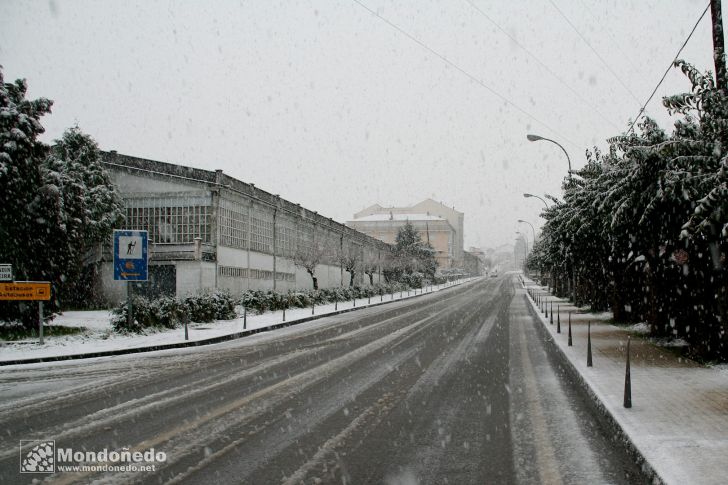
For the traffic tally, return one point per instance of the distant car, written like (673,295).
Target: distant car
(494,274)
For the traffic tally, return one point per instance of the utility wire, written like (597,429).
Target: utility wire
(595,52)
(542,64)
(615,42)
(463,71)
(644,106)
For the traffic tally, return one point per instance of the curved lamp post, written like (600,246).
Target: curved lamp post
(531,137)
(536,196)
(534,239)
(525,248)
(534,230)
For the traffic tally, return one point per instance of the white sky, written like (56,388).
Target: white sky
(331,107)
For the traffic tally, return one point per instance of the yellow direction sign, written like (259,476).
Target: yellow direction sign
(25,290)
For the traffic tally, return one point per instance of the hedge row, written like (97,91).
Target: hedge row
(261,301)
(168,312)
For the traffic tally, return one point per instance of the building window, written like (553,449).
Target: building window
(233,224)
(261,232)
(286,238)
(170,220)
(233,272)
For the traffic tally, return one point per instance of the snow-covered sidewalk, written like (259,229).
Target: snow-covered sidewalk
(98,335)
(679,416)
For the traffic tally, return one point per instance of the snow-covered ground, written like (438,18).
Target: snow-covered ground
(98,335)
(678,418)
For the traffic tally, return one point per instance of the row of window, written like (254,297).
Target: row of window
(181,219)
(169,220)
(256,274)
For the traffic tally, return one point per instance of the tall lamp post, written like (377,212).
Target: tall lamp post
(536,196)
(532,229)
(534,240)
(531,137)
(525,248)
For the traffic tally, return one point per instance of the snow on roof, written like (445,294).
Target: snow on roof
(398,217)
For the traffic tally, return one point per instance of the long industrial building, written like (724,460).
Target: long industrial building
(208,230)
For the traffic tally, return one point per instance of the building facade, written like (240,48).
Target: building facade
(208,230)
(449,239)
(433,229)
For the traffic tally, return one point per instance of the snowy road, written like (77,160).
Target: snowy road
(453,387)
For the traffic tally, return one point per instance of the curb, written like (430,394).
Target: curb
(649,473)
(209,341)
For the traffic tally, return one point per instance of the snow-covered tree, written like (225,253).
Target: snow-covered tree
(89,209)
(308,258)
(57,203)
(26,218)
(643,226)
(410,255)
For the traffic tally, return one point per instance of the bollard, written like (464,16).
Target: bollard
(627,382)
(354,300)
(381,295)
(336,305)
(284,314)
(588,345)
(313,307)
(245,317)
(558,318)
(570,341)
(552,313)
(40,322)
(187,335)
(547,309)
(369,299)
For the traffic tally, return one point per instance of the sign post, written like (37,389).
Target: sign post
(131,261)
(6,272)
(28,291)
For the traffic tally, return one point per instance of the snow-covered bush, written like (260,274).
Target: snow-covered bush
(168,312)
(208,307)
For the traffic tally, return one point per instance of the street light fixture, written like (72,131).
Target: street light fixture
(525,238)
(534,230)
(536,196)
(525,248)
(531,137)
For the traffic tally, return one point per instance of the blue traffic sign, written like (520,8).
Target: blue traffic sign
(131,255)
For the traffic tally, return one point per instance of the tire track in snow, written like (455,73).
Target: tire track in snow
(191,433)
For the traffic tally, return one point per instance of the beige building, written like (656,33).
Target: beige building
(437,223)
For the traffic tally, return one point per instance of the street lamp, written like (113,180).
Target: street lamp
(525,248)
(534,239)
(534,230)
(531,137)
(539,198)
(537,138)
(525,238)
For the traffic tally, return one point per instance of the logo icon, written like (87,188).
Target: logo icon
(40,458)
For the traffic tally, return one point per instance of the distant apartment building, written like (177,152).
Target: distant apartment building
(437,223)
(208,230)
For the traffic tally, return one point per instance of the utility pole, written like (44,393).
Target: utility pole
(718,44)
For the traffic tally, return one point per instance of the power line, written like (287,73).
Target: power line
(615,42)
(644,106)
(542,64)
(463,71)
(595,52)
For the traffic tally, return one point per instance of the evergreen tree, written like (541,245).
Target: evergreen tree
(27,216)
(57,204)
